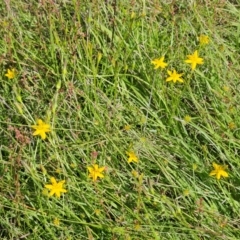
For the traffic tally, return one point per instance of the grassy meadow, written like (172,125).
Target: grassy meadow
(119,120)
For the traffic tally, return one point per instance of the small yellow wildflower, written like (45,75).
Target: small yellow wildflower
(221,48)
(135,173)
(97,212)
(132,157)
(186,192)
(223,223)
(226,88)
(219,170)
(41,129)
(137,227)
(127,127)
(159,63)
(58,170)
(143,139)
(133,15)
(73,165)
(174,76)
(232,109)
(96,122)
(232,125)
(143,120)
(11,73)
(56,187)
(95,172)
(166,162)
(187,119)
(203,39)
(194,59)
(56,221)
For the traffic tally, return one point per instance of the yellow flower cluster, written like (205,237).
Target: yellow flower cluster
(41,128)
(192,59)
(95,172)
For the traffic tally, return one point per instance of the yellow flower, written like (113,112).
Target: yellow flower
(133,15)
(232,125)
(219,170)
(56,221)
(194,59)
(186,192)
(132,157)
(135,173)
(203,39)
(56,188)
(97,212)
(159,62)
(58,170)
(11,73)
(174,76)
(73,165)
(143,120)
(137,227)
(41,128)
(226,88)
(127,127)
(166,162)
(232,109)
(142,139)
(187,119)
(95,172)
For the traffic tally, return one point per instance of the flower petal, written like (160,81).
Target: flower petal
(48,186)
(53,180)
(215,165)
(212,173)
(224,174)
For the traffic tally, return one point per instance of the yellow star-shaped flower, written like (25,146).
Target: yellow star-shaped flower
(194,59)
(56,187)
(219,170)
(95,172)
(159,63)
(132,157)
(41,128)
(11,73)
(174,76)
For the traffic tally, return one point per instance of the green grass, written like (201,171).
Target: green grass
(85,67)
